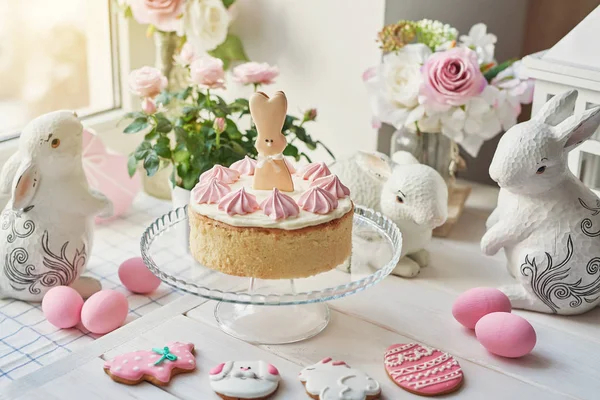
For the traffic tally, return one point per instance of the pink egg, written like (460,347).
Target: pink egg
(506,334)
(104,312)
(136,277)
(473,304)
(62,306)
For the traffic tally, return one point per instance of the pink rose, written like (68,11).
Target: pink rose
(147,82)
(255,73)
(451,78)
(148,106)
(219,125)
(208,72)
(165,15)
(186,56)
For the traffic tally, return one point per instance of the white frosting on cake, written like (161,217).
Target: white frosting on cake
(259,219)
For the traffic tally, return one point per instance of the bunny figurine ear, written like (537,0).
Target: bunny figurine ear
(578,128)
(375,165)
(558,108)
(27,181)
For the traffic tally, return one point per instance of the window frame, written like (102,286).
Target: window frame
(131,49)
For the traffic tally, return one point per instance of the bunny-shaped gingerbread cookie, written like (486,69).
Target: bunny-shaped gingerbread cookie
(546,219)
(269,115)
(46,227)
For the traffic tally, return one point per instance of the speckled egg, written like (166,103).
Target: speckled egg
(104,312)
(61,306)
(506,334)
(473,304)
(136,277)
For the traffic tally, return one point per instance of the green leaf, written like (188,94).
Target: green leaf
(163,125)
(163,147)
(142,150)
(228,3)
(151,163)
(153,134)
(185,93)
(190,179)
(137,125)
(494,71)
(132,164)
(163,98)
(291,150)
(230,50)
(289,121)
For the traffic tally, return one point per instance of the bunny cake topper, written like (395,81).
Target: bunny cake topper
(269,115)
(546,219)
(46,226)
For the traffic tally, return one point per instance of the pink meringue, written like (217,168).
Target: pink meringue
(224,174)
(210,191)
(279,206)
(317,200)
(333,185)
(289,165)
(245,166)
(313,171)
(239,202)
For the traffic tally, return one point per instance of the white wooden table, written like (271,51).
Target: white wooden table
(564,365)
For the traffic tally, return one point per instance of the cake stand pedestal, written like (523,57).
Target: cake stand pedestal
(265,311)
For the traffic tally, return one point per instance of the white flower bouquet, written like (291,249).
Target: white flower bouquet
(431,80)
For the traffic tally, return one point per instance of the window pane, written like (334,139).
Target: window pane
(54,55)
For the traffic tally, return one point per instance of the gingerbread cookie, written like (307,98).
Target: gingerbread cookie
(237,380)
(336,380)
(156,366)
(422,370)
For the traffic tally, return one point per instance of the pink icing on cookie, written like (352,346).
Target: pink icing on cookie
(279,206)
(317,200)
(313,171)
(239,202)
(422,369)
(224,174)
(210,192)
(326,360)
(245,166)
(289,165)
(338,363)
(333,185)
(272,370)
(133,366)
(217,370)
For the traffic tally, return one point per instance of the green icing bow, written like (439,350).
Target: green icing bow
(165,353)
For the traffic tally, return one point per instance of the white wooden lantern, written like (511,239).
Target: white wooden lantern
(573,63)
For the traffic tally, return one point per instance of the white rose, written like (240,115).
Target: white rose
(401,75)
(206,23)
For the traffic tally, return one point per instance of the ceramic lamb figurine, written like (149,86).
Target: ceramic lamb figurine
(547,220)
(46,227)
(412,195)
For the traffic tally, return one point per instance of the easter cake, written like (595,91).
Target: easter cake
(262,218)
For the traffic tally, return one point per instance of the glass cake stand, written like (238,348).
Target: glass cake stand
(273,311)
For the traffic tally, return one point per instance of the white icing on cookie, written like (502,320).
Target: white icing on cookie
(335,380)
(244,379)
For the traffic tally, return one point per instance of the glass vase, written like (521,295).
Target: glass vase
(434,149)
(166,45)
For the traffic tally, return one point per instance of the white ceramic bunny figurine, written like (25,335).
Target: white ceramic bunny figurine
(546,219)
(412,195)
(46,227)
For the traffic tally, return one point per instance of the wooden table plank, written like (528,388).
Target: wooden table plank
(362,345)
(212,348)
(558,362)
(89,382)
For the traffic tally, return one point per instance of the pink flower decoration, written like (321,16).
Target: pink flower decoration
(318,201)
(186,56)
(279,206)
(208,72)
(147,82)
(245,166)
(165,15)
(239,202)
(255,73)
(332,185)
(210,192)
(106,172)
(451,78)
(223,174)
(313,171)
